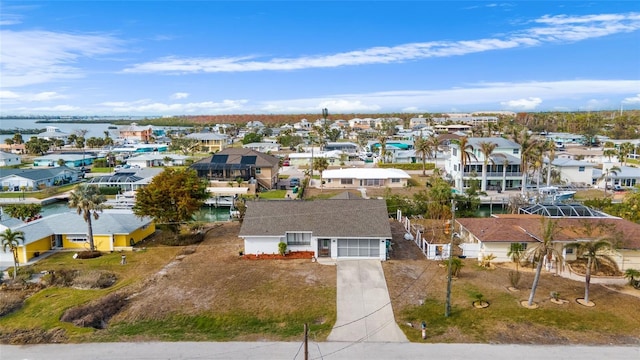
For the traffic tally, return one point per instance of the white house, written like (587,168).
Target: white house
(8,159)
(573,171)
(336,229)
(503,167)
(154,159)
(34,179)
(627,176)
(364,177)
(53,133)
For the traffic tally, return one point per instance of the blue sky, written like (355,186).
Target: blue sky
(133,58)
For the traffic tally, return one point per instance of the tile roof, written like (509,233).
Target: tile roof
(525,228)
(325,218)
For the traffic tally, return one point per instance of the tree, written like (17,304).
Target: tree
(10,241)
(632,275)
(466,153)
(382,144)
(592,251)
(423,148)
(172,197)
(527,144)
(486,148)
(608,175)
(184,144)
(17,138)
(515,253)
(251,138)
(544,251)
(550,147)
(23,211)
(320,164)
(334,134)
(89,202)
(37,146)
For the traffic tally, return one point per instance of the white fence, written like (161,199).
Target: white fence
(415,234)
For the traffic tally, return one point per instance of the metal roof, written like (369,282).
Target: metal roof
(564,210)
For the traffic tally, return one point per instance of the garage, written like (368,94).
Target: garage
(368,248)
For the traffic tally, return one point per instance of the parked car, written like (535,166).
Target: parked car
(285,162)
(294,182)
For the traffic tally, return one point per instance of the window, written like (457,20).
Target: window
(299,238)
(373,182)
(569,251)
(516,151)
(77,238)
(523,246)
(395,180)
(581,168)
(258,170)
(346,181)
(455,152)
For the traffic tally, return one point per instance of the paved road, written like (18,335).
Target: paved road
(324,350)
(363,304)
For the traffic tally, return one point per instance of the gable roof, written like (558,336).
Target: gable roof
(325,218)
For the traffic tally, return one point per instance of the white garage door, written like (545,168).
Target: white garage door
(369,248)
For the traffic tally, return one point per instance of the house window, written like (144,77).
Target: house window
(523,246)
(373,182)
(395,181)
(299,238)
(258,170)
(346,181)
(581,168)
(516,151)
(77,238)
(569,251)
(455,152)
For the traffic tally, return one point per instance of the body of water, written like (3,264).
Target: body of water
(93,129)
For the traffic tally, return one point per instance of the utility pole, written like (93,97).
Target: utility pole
(447,309)
(306,342)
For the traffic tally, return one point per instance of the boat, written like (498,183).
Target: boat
(551,194)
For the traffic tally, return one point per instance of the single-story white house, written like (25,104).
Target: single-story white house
(627,176)
(573,171)
(34,179)
(154,159)
(305,158)
(263,146)
(336,229)
(364,177)
(8,159)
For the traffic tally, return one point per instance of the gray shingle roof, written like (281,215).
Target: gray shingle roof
(325,218)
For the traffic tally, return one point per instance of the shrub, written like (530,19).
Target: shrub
(10,301)
(282,248)
(62,277)
(88,254)
(109,190)
(24,273)
(514,278)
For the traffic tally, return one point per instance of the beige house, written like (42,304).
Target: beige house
(483,236)
(136,133)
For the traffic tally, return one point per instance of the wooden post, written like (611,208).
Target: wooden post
(306,342)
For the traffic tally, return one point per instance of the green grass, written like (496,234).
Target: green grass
(273,194)
(505,309)
(49,192)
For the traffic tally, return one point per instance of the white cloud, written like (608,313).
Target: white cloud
(179,95)
(522,104)
(146,106)
(6,94)
(632,100)
(17,97)
(35,57)
(550,29)
(57,108)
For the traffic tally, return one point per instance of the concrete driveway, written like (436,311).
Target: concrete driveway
(364,306)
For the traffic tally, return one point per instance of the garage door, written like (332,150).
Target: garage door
(359,248)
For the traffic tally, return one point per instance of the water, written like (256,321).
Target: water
(93,129)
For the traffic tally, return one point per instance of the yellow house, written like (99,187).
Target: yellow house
(210,142)
(114,230)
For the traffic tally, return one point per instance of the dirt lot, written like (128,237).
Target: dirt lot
(412,280)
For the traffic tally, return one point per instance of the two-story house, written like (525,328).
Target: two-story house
(210,142)
(503,168)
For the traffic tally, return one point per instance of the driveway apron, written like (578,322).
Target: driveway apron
(364,306)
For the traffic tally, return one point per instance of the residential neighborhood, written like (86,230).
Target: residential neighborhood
(329,191)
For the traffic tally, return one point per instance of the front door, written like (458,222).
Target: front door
(324,247)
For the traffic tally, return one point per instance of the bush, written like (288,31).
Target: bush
(62,277)
(10,301)
(411,166)
(24,273)
(97,313)
(109,190)
(88,254)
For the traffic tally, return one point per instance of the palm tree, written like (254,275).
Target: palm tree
(544,251)
(550,147)
(606,175)
(527,143)
(592,251)
(609,153)
(632,275)
(423,148)
(515,253)
(382,140)
(10,241)
(89,202)
(466,153)
(320,164)
(486,148)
